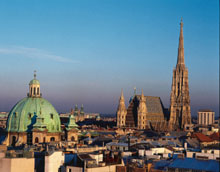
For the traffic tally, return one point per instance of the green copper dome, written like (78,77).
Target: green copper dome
(33,112)
(34,81)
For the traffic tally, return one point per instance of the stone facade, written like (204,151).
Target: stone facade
(121,111)
(180,113)
(143,112)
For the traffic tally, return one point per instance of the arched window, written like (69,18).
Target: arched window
(36,140)
(34,91)
(13,140)
(52,139)
(72,138)
(38,90)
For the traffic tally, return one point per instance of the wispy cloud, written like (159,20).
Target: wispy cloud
(35,53)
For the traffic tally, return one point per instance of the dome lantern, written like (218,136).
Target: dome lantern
(34,87)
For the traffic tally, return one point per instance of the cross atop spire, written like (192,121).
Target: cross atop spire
(134,90)
(35,74)
(180,59)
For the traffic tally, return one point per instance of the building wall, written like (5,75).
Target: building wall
(206,118)
(16,164)
(54,161)
(71,134)
(111,168)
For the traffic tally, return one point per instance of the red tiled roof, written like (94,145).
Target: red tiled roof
(215,136)
(201,137)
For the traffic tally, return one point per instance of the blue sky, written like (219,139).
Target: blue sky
(85,51)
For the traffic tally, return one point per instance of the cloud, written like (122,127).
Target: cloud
(35,53)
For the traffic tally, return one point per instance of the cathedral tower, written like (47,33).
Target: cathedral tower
(121,111)
(180,113)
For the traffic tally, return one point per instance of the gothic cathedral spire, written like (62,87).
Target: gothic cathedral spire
(180,113)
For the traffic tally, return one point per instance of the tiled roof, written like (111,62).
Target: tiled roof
(195,164)
(154,104)
(201,137)
(215,136)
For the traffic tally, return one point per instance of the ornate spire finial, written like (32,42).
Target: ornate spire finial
(35,74)
(181,22)
(180,59)
(142,94)
(134,90)
(122,95)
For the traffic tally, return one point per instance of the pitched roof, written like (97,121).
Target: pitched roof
(195,164)
(201,137)
(215,136)
(154,104)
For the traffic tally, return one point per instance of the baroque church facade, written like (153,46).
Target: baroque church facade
(34,120)
(148,112)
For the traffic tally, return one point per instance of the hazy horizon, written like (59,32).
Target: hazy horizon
(85,52)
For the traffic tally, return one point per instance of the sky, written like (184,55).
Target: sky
(86,51)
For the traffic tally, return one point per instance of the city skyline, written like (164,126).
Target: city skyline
(85,53)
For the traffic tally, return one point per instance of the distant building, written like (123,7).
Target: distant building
(80,115)
(206,117)
(3,119)
(143,112)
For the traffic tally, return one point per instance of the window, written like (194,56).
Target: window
(70,170)
(36,140)
(34,91)
(52,139)
(51,116)
(72,138)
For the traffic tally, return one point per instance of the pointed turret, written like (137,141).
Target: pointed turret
(122,96)
(121,101)
(76,111)
(180,59)
(142,110)
(142,96)
(82,110)
(121,112)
